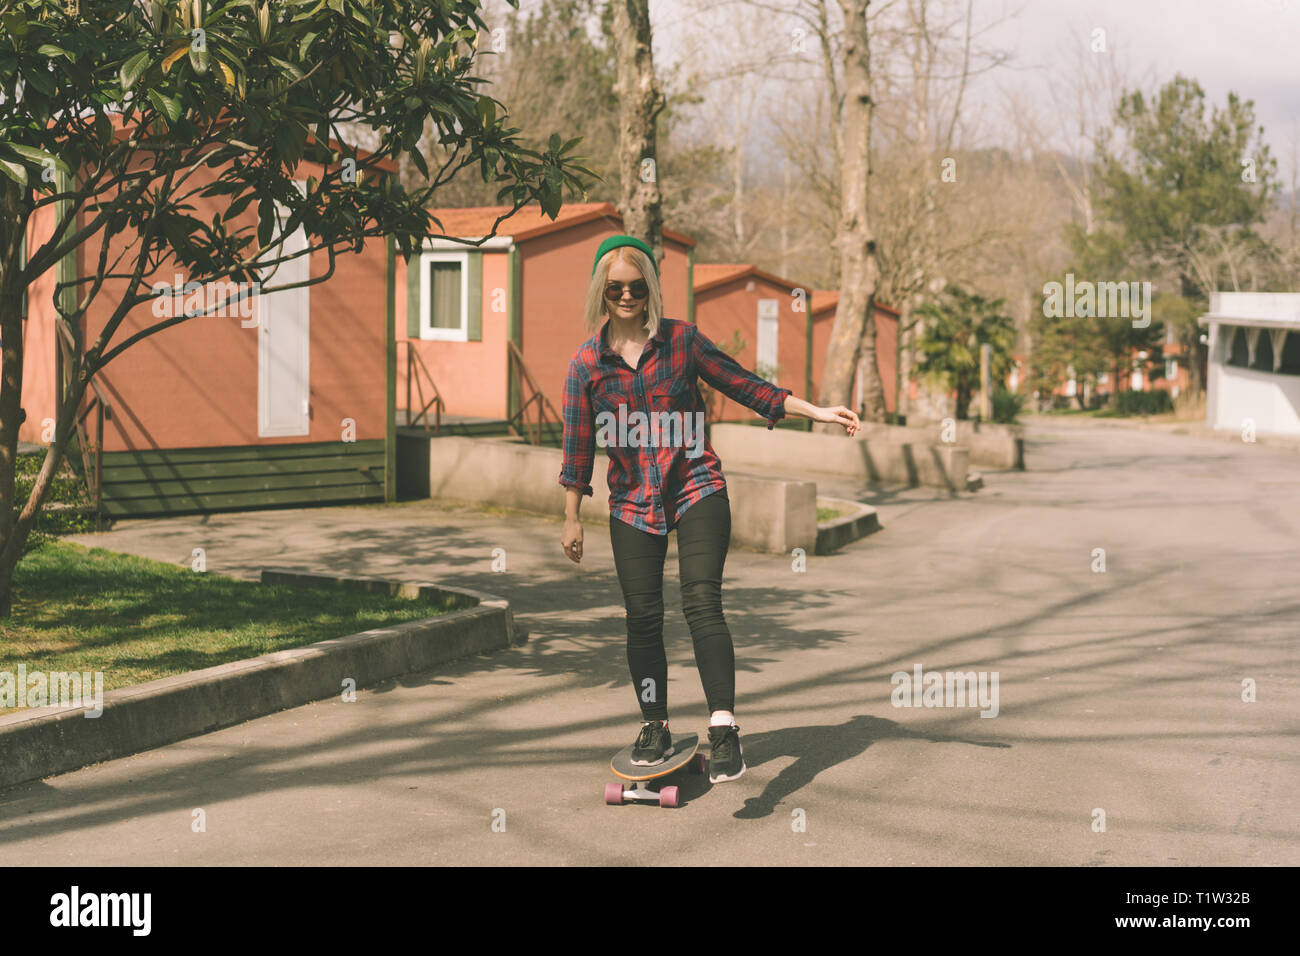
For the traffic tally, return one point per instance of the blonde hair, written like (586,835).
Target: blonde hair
(654,304)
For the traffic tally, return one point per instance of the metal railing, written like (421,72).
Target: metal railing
(414,362)
(518,372)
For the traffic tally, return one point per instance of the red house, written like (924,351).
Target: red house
(767,316)
(824,303)
(278,400)
(468,310)
(783,328)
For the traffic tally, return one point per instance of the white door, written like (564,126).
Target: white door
(283,349)
(767,326)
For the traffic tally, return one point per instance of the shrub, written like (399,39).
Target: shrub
(1143,403)
(1007,405)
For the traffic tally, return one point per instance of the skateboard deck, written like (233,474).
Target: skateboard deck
(685,754)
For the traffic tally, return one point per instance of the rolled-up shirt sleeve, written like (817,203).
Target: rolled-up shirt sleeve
(740,385)
(579,433)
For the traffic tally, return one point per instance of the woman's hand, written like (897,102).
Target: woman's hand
(832,413)
(839,414)
(571,539)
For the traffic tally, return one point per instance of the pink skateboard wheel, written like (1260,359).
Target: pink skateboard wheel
(668,797)
(614,794)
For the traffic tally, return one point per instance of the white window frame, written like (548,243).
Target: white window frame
(427,331)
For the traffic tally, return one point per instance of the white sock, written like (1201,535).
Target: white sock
(722,718)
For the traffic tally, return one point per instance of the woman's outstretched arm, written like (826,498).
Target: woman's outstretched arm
(833,413)
(771,401)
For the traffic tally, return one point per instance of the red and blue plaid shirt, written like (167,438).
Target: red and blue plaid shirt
(654,476)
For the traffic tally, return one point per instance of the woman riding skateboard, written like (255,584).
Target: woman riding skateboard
(663,475)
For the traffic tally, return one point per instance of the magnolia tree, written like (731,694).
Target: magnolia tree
(116,116)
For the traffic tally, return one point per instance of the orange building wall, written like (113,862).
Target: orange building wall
(556,273)
(887,355)
(471,376)
(728,308)
(886,352)
(39,343)
(195,384)
(555,270)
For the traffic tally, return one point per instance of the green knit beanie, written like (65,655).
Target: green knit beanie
(613,242)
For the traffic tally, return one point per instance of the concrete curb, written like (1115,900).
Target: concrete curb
(45,741)
(860,521)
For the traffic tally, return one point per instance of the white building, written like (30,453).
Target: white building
(1254,362)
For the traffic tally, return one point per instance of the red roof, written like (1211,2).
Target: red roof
(824,300)
(710,275)
(471,222)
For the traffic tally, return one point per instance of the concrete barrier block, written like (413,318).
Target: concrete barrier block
(767,513)
(773,515)
(879,458)
(991,444)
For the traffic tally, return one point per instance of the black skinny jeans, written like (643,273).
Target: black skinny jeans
(703,534)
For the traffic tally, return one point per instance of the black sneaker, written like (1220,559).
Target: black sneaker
(726,756)
(653,745)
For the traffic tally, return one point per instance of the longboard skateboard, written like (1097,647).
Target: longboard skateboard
(684,755)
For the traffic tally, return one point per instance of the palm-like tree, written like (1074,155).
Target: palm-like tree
(956,325)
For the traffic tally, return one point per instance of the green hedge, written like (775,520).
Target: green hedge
(1143,403)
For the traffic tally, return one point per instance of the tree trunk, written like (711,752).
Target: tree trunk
(1192,357)
(16,527)
(963,401)
(11,383)
(639,104)
(14,533)
(853,335)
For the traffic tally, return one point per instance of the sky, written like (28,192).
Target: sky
(1251,47)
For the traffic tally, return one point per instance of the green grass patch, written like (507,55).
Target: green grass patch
(137,620)
(827,514)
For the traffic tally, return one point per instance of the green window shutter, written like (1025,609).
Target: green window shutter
(413,268)
(474,306)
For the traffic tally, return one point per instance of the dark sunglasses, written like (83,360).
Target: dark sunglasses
(638,290)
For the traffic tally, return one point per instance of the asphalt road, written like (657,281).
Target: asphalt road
(1118,691)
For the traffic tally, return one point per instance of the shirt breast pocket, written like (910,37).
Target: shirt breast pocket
(670,395)
(608,396)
